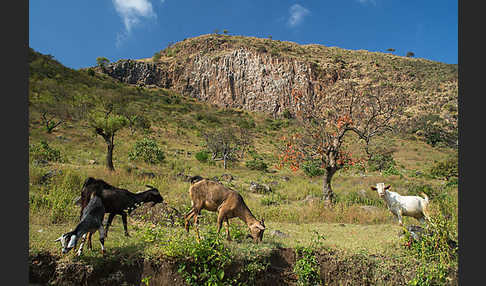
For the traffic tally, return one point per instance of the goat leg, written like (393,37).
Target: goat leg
(108,223)
(80,250)
(102,239)
(124,220)
(228,237)
(187,217)
(88,237)
(196,227)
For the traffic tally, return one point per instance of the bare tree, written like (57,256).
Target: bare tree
(328,117)
(223,144)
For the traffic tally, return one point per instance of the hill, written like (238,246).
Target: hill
(355,241)
(258,74)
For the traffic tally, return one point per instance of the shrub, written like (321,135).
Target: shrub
(445,169)
(42,151)
(148,151)
(156,57)
(202,156)
(307,267)
(436,252)
(286,114)
(312,168)
(208,260)
(58,198)
(414,189)
(435,131)
(256,164)
(381,160)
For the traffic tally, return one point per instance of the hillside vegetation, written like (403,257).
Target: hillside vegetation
(161,141)
(232,70)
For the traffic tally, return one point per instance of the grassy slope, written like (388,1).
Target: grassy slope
(175,126)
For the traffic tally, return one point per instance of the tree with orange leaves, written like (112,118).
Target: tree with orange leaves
(326,119)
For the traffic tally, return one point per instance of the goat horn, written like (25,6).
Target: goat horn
(58,238)
(149,186)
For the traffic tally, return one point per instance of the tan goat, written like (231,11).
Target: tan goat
(213,196)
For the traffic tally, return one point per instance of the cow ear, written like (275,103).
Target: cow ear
(374,188)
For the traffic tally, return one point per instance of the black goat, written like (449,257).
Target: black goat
(91,221)
(116,200)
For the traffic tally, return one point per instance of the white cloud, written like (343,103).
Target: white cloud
(297,14)
(364,2)
(131,12)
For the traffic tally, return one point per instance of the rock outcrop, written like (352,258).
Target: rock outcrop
(264,75)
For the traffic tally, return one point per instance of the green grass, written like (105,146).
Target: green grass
(177,125)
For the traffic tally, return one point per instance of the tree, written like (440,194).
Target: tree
(156,57)
(410,54)
(136,120)
(225,32)
(328,117)
(102,62)
(390,50)
(223,144)
(52,101)
(106,121)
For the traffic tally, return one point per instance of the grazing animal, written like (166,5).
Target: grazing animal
(213,196)
(91,221)
(412,206)
(117,201)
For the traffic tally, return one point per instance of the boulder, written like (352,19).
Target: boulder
(259,188)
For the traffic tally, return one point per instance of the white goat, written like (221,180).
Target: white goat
(412,206)
(91,221)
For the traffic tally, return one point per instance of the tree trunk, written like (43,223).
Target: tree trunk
(109,156)
(327,193)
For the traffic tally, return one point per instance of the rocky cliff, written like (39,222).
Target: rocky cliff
(262,74)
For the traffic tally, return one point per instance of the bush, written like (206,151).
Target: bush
(256,164)
(58,198)
(286,114)
(307,267)
(381,160)
(202,156)
(42,151)
(312,168)
(445,169)
(435,131)
(208,260)
(414,189)
(436,252)
(148,151)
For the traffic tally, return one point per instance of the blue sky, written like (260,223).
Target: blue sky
(77,32)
